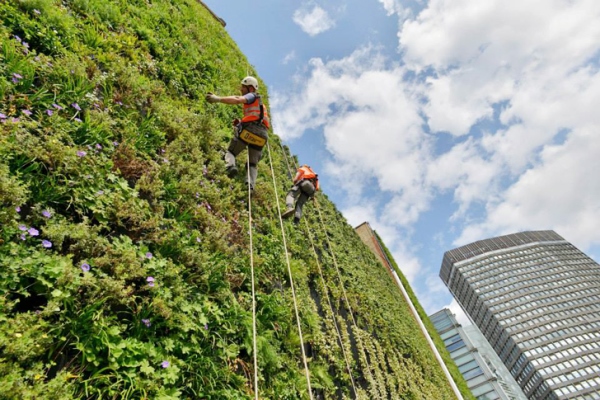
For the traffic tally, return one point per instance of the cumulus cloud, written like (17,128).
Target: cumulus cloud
(289,57)
(313,20)
(491,102)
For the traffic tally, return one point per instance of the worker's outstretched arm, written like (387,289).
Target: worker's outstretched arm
(213,98)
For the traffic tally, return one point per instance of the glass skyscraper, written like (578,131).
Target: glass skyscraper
(536,299)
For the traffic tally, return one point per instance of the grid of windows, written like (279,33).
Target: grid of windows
(536,298)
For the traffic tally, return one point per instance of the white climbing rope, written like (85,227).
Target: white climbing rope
(252,279)
(337,329)
(287,259)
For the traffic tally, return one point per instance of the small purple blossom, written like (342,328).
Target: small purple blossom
(146,322)
(85,267)
(81,153)
(197,195)
(100,192)
(119,103)
(22,228)
(36,11)
(46,243)
(23,236)
(205,327)
(46,213)
(27,112)
(15,80)
(205,170)
(78,119)
(208,207)
(98,146)
(15,120)
(150,281)
(166,160)
(165,364)
(148,255)
(17,76)
(3,116)
(26,45)
(18,39)
(57,106)
(198,240)
(18,209)
(33,232)
(49,112)
(115,144)
(76,106)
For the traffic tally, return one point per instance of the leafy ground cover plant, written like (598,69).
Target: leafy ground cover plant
(124,248)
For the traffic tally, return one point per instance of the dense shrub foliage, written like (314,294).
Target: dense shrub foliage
(124,248)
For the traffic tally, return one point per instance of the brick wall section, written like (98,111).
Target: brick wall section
(368,237)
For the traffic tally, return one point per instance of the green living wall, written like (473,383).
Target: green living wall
(125,250)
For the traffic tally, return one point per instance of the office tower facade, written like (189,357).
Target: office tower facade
(536,299)
(486,377)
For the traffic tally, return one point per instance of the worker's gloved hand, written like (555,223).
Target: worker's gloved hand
(235,122)
(212,98)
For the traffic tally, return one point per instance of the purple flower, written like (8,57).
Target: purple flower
(33,232)
(18,209)
(26,45)
(146,322)
(99,192)
(165,364)
(208,207)
(198,240)
(150,281)
(98,146)
(197,195)
(15,120)
(27,112)
(23,236)
(148,255)
(3,116)
(36,11)
(81,153)
(205,170)
(18,39)
(46,243)
(46,213)
(77,119)
(17,76)
(119,103)
(15,80)
(205,327)
(85,267)
(76,106)
(57,106)
(49,112)
(22,228)
(115,144)
(166,160)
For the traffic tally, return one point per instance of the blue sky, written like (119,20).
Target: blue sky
(440,122)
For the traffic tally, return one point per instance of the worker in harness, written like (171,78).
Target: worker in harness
(251,131)
(306,184)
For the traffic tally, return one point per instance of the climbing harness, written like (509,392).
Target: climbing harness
(287,259)
(253,288)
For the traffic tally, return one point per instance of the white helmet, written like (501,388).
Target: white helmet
(250,81)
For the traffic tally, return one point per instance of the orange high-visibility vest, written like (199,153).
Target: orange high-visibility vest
(252,112)
(305,172)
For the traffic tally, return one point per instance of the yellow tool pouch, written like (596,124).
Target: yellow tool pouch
(252,138)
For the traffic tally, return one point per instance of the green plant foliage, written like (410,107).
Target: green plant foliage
(125,270)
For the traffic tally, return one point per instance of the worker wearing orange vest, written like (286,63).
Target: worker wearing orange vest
(252,131)
(306,184)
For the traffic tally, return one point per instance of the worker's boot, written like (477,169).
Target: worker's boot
(288,213)
(296,220)
(232,171)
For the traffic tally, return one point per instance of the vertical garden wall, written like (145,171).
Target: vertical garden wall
(125,249)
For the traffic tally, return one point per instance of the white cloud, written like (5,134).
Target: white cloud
(289,57)
(515,85)
(313,21)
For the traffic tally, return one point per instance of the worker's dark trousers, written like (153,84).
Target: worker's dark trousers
(237,145)
(300,193)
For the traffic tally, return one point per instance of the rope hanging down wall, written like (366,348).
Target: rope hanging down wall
(287,259)
(345,297)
